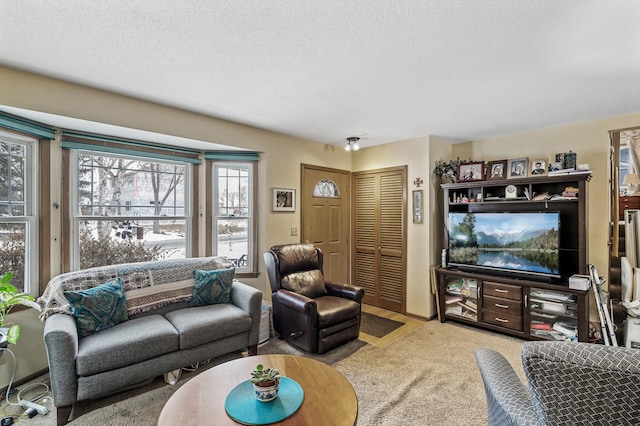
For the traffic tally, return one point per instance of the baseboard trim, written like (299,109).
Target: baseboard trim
(25,379)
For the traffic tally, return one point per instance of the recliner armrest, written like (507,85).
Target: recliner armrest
(295,301)
(345,290)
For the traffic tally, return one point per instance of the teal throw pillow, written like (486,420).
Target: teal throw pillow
(212,287)
(98,308)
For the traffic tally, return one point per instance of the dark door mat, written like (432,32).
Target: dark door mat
(376,326)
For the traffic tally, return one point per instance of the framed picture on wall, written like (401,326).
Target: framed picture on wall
(417,206)
(284,200)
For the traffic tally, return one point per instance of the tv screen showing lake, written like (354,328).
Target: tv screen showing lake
(521,241)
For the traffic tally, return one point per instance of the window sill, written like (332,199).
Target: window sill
(247,274)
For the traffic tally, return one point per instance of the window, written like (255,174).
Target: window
(18,244)
(129,209)
(233,213)
(624,168)
(326,188)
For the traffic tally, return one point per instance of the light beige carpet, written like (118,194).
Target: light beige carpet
(428,377)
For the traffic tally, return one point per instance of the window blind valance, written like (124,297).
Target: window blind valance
(112,145)
(232,155)
(29,127)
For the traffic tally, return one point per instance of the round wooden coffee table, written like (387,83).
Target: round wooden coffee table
(329,398)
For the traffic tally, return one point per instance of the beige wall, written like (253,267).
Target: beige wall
(280,158)
(279,166)
(29,351)
(282,155)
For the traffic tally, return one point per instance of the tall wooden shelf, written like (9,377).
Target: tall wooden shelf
(512,305)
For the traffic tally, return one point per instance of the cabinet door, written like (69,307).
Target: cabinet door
(380,237)
(553,315)
(461,298)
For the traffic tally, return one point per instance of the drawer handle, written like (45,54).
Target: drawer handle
(502,320)
(500,305)
(499,290)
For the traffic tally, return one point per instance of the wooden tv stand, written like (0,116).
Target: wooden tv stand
(521,306)
(527,309)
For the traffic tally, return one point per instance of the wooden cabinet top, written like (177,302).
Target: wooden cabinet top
(520,181)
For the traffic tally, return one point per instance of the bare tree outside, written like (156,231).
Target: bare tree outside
(165,178)
(13,207)
(130,209)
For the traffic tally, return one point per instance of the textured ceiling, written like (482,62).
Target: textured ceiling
(325,70)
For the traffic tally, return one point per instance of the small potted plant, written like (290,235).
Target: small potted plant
(9,297)
(266,382)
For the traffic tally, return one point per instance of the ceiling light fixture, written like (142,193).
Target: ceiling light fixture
(352,144)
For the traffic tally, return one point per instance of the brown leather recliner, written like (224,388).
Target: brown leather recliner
(313,314)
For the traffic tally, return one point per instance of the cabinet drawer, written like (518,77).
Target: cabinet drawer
(504,291)
(628,203)
(508,321)
(502,306)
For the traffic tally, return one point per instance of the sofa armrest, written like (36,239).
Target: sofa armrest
(249,299)
(346,291)
(61,342)
(508,401)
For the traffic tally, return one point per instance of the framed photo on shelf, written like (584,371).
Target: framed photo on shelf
(518,167)
(554,166)
(471,171)
(284,200)
(417,206)
(497,170)
(538,167)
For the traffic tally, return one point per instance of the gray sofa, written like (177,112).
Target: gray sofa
(162,332)
(568,384)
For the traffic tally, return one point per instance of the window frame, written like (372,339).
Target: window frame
(30,218)
(77,218)
(251,269)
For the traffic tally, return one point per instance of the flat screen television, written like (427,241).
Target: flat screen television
(513,243)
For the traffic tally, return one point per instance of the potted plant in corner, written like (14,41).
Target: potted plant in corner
(10,297)
(266,382)
(448,170)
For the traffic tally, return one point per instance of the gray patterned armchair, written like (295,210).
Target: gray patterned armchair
(568,383)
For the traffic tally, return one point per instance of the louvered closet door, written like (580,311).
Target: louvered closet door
(380,237)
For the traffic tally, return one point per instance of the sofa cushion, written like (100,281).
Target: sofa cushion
(205,324)
(212,287)
(98,308)
(125,344)
(308,283)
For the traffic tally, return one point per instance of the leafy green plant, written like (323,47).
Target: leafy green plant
(9,298)
(449,169)
(266,376)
